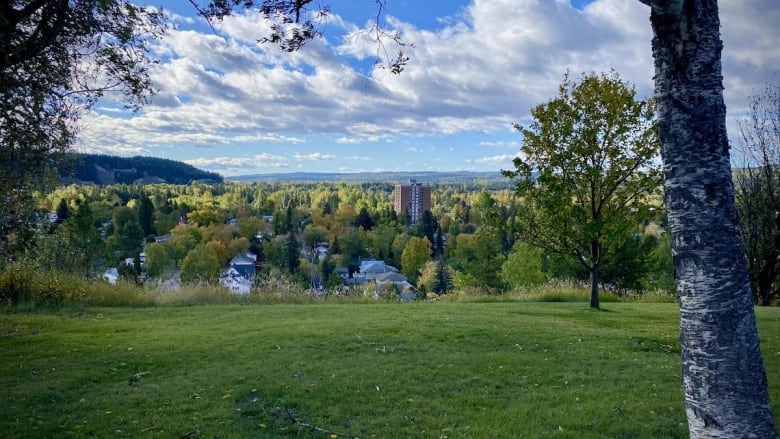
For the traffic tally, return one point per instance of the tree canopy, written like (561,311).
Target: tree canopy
(587,162)
(57,58)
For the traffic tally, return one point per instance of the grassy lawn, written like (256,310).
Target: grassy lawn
(454,370)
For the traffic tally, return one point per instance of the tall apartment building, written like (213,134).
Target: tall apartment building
(412,199)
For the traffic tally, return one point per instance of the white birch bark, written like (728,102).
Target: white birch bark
(723,374)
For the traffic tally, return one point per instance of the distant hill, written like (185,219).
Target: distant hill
(400,177)
(107,169)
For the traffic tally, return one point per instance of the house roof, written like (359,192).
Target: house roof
(391,277)
(373,267)
(242,260)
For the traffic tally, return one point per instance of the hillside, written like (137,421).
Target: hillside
(106,169)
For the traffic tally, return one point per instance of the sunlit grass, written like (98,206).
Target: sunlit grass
(516,369)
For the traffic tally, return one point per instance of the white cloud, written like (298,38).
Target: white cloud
(496,160)
(479,72)
(315,156)
(240,165)
(501,144)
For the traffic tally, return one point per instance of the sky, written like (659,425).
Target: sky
(228,104)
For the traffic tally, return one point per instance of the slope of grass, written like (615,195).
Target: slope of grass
(516,369)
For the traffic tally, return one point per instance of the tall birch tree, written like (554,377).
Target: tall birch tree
(724,379)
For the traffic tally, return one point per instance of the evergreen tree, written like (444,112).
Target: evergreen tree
(293,253)
(438,244)
(63,211)
(442,282)
(146,215)
(364,220)
(428,226)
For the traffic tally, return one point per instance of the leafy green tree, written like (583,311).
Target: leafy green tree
(57,58)
(587,162)
(205,217)
(626,263)
(314,234)
(416,253)
(523,266)
(477,259)
(127,233)
(184,238)
(381,238)
(155,259)
(201,263)
(660,266)
(398,245)
(75,246)
(249,226)
(486,269)
(275,251)
(354,245)
(280,223)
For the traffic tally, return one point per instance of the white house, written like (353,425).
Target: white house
(235,282)
(111,275)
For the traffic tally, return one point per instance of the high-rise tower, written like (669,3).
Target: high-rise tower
(412,199)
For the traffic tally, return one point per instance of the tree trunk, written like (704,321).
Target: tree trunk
(595,253)
(765,278)
(723,373)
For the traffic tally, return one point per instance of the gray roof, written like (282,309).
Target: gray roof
(391,277)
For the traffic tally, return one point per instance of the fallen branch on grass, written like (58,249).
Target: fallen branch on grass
(286,414)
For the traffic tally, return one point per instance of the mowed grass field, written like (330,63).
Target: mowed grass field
(454,370)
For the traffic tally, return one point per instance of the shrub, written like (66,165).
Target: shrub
(21,284)
(15,284)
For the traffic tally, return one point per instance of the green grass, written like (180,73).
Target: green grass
(457,370)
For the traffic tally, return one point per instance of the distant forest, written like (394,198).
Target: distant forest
(107,169)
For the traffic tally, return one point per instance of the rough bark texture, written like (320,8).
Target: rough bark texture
(595,252)
(723,374)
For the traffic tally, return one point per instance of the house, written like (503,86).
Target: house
(240,273)
(342,272)
(235,282)
(244,264)
(321,251)
(397,281)
(371,268)
(111,275)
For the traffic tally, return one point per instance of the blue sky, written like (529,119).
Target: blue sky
(228,104)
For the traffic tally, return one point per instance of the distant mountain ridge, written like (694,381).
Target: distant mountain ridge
(400,177)
(108,169)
